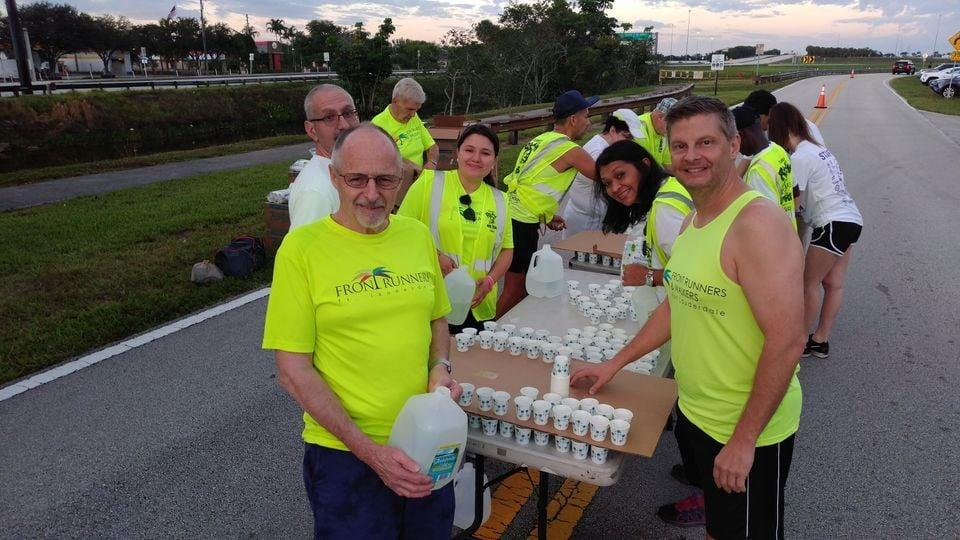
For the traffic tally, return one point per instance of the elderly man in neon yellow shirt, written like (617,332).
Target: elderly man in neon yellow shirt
(653,130)
(401,121)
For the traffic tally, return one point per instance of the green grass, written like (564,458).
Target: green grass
(921,97)
(77,169)
(78,275)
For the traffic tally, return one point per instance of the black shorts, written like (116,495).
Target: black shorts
(759,511)
(836,236)
(526,237)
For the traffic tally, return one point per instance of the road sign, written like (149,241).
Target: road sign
(716,62)
(759,49)
(251,57)
(326,57)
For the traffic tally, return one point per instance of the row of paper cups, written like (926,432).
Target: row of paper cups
(579,449)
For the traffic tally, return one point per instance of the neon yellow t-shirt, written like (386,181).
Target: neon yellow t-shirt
(412,138)
(362,304)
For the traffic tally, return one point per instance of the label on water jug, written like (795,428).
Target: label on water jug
(444,463)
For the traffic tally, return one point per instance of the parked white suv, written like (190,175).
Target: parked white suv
(927,75)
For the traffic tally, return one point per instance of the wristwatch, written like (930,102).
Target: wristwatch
(649,280)
(446,364)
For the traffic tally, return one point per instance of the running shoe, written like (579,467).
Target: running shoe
(820,350)
(687,512)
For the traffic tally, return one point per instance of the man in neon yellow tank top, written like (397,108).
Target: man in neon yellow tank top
(544,171)
(734,312)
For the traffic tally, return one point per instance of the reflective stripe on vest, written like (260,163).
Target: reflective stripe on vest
(671,193)
(533,196)
(436,196)
(436,201)
(777,176)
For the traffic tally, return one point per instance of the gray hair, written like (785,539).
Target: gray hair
(407,88)
(336,156)
(696,105)
(319,89)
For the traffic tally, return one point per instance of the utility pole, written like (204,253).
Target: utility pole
(203,37)
(936,36)
(19,47)
(686,49)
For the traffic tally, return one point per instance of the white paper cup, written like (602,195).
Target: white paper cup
(585,342)
(516,345)
(561,417)
(589,404)
(573,403)
(506,429)
(541,412)
(562,444)
(472,332)
(564,351)
(592,349)
(561,365)
(560,384)
(463,342)
(608,354)
(510,329)
(606,260)
(474,421)
(490,325)
(594,315)
(489,426)
(594,287)
(590,331)
(501,403)
(526,332)
(580,450)
(604,410)
(595,358)
(623,414)
(604,327)
(485,398)
(549,351)
(532,348)
(500,341)
(554,398)
(541,438)
(598,427)
(618,432)
(581,422)
(541,334)
(523,434)
(530,392)
(573,284)
(524,407)
(593,258)
(467,395)
(486,340)
(598,454)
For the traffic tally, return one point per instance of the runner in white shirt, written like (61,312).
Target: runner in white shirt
(584,209)
(828,207)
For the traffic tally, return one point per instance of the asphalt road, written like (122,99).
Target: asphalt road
(189,435)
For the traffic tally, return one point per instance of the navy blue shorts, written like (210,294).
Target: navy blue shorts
(349,500)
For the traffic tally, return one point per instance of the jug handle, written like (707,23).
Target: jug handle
(533,262)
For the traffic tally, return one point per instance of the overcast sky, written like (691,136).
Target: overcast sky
(713,24)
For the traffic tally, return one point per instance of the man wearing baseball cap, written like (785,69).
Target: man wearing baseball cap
(653,133)
(537,183)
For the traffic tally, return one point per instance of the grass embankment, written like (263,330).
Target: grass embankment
(78,275)
(922,97)
(29,176)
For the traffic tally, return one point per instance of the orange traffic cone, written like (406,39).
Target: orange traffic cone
(822,100)
(851,73)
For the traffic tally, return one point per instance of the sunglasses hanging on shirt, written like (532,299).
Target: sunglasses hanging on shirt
(468,214)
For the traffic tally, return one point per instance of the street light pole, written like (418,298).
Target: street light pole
(686,49)
(936,35)
(19,47)
(203,37)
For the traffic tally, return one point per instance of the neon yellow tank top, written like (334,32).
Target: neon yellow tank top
(716,341)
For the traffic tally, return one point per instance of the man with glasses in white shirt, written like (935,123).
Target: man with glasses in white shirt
(329,110)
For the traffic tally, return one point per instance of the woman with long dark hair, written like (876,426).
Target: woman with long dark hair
(827,207)
(468,217)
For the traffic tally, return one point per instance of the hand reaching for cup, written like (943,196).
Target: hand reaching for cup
(594,375)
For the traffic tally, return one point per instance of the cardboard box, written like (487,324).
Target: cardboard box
(650,398)
(594,242)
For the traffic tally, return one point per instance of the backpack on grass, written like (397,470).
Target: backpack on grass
(242,257)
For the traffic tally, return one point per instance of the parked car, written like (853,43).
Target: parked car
(903,66)
(927,75)
(948,85)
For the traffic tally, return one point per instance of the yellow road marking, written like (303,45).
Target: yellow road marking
(566,508)
(818,114)
(507,500)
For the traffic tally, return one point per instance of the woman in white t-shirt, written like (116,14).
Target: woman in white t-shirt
(827,206)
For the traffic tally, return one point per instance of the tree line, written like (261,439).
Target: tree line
(842,52)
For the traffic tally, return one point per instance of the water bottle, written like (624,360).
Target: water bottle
(464,489)
(460,290)
(432,430)
(545,275)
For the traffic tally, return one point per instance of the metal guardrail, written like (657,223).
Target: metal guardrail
(807,73)
(515,122)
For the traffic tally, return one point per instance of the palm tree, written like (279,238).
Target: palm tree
(277,27)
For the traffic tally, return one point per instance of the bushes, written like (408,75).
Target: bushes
(42,131)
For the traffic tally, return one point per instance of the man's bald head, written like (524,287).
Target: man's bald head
(366,173)
(365,138)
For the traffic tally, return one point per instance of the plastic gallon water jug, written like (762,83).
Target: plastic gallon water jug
(460,290)
(545,275)
(432,430)
(464,488)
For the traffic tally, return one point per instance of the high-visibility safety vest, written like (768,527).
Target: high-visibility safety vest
(772,167)
(654,142)
(671,193)
(443,214)
(534,188)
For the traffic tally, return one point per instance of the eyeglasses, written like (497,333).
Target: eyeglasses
(360,180)
(333,118)
(468,214)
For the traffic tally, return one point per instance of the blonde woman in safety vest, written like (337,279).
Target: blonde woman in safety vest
(544,172)
(468,218)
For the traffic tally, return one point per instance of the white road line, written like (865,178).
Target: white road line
(63,370)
